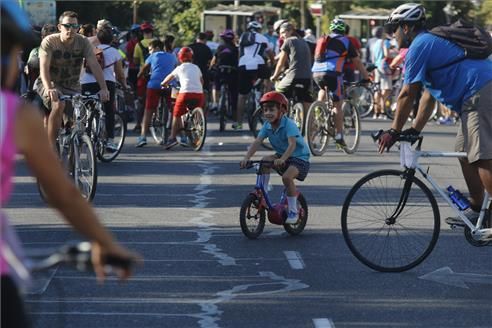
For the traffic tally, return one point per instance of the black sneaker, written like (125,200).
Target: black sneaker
(171,143)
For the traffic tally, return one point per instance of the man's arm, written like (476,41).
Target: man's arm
(358,64)
(44,72)
(404,104)
(280,65)
(426,104)
(143,70)
(98,74)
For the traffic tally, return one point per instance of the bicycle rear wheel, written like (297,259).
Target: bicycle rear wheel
(317,124)
(381,239)
(297,114)
(223,107)
(196,130)
(252,217)
(351,127)
(302,212)
(84,167)
(106,154)
(159,126)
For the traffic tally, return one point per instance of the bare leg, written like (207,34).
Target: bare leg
(55,121)
(176,126)
(288,180)
(146,121)
(474,174)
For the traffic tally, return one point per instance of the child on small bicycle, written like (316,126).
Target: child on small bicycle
(191,89)
(291,158)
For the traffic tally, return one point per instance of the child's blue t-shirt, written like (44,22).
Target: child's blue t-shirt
(451,85)
(161,64)
(279,139)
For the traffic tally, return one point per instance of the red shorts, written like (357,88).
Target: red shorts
(153,97)
(180,107)
(141,87)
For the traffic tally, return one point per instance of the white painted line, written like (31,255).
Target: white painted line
(295,260)
(323,323)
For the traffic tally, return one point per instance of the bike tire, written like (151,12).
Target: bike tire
(317,124)
(252,225)
(223,107)
(351,128)
(158,127)
(120,128)
(255,124)
(363,100)
(197,129)
(382,245)
(85,173)
(302,212)
(297,114)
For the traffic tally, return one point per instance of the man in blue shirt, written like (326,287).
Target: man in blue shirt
(291,158)
(160,64)
(464,86)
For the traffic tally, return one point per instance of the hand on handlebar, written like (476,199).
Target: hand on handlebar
(278,162)
(102,255)
(387,139)
(104,95)
(244,163)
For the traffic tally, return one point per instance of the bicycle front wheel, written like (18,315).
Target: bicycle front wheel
(252,217)
(363,100)
(197,129)
(351,128)
(385,233)
(317,124)
(83,168)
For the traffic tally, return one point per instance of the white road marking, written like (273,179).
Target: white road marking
(447,276)
(295,260)
(323,323)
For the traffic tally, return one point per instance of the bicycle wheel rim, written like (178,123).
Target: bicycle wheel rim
(197,129)
(298,116)
(223,103)
(351,128)
(317,128)
(363,100)
(85,172)
(252,217)
(157,127)
(302,210)
(119,136)
(389,247)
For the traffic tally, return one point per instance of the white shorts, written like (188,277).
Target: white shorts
(385,81)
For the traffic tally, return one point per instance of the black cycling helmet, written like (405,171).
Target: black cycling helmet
(15,27)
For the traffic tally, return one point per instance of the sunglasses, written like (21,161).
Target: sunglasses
(74,26)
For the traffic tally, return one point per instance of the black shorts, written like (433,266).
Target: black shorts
(301,165)
(302,89)
(333,82)
(248,78)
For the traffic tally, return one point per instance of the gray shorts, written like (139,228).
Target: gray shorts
(385,81)
(39,87)
(475,133)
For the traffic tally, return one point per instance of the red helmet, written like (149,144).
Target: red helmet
(274,96)
(185,54)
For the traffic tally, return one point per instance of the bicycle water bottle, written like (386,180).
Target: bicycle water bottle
(458,199)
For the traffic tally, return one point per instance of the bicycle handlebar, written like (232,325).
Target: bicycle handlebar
(80,96)
(401,137)
(250,164)
(78,256)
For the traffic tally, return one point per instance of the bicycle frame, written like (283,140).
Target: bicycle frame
(415,166)
(260,189)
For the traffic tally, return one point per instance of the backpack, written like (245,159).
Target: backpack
(320,49)
(145,50)
(475,41)
(99,53)
(247,39)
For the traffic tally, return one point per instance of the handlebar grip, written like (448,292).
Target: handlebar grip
(119,262)
(376,135)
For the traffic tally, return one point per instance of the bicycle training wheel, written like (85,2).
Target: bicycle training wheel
(302,212)
(387,234)
(255,124)
(197,129)
(317,121)
(159,127)
(363,100)
(83,167)
(351,128)
(105,152)
(252,217)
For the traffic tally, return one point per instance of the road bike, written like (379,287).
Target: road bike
(390,218)
(257,206)
(76,150)
(320,124)
(97,131)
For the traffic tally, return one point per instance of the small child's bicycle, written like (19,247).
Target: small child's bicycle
(257,206)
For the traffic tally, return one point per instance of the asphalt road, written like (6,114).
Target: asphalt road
(180,210)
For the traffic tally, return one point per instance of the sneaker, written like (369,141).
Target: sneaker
(291,218)
(237,126)
(375,116)
(340,143)
(137,129)
(141,141)
(171,143)
(445,121)
(456,221)
(111,146)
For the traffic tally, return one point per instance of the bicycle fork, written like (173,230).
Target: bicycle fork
(408,175)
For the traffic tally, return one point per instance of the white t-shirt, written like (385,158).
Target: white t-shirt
(188,75)
(250,57)
(111,56)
